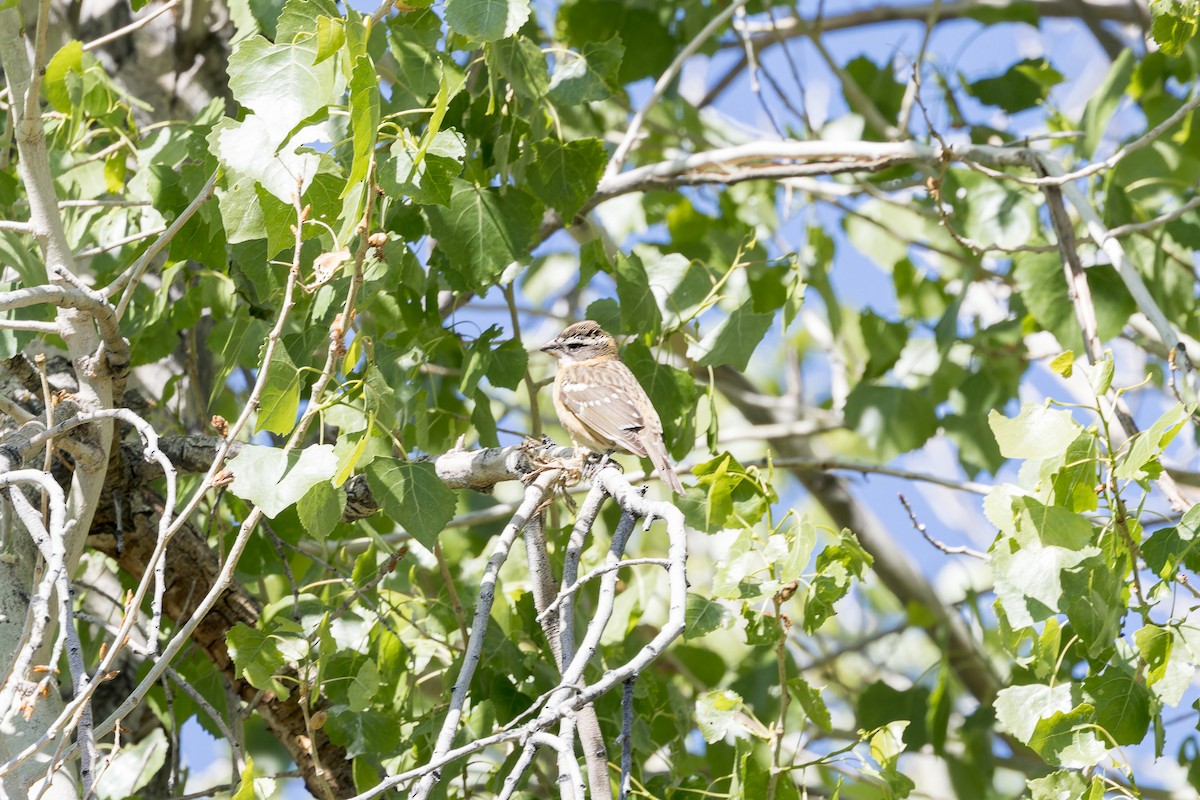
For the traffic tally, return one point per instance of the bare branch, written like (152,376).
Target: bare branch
(534,495)
(129,278)
(945,548)
(132,27)
(660,86)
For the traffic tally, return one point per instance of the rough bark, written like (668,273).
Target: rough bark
(191,569)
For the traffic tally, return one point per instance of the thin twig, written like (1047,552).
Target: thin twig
(113,245)
(660,87)
(132,27)
(945,548)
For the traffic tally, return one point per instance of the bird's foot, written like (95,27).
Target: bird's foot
(595,462)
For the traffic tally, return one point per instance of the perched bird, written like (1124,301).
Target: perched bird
(600,402)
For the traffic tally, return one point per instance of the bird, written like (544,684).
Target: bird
(601,403)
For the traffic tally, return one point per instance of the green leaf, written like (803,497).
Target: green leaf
(302,16)
(811,701)
(733,341)
(1020,708)
(1070,739)
(1170,548)
(1037,432)
(1030,563)
(587,76)
(523,64)
(885,341)
(1155,643)
(68,59)
(245,790)
(716,714)
(1061,785)
(274,480)
(320,509)
(331,35)
(879,704)
(703,616)
(872,411)
(477,360)
(880,86)
(1043,289)
(508,364)
(1025,85)
(257,658)
(836,565)
(429,178)
(363,687)
(1169,667)
(283,86)
(1075,483)
(133,767)
(639,311)
(1020,11)
(363,732)
(1122,704)
(1174,24)
(565,176)
(731,493)
(1141,459)
(1104,101)
(364,119)
(486,20)
(1102,374)
(280,398)
(483,422)
(484,230)
(413,41)
(412,495)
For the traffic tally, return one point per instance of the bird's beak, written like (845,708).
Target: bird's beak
(552,347)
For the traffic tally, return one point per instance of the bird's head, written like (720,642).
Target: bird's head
(583,341)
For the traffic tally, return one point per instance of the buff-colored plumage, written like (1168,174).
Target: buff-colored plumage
(600,402)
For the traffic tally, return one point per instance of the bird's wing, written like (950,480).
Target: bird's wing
(606,401)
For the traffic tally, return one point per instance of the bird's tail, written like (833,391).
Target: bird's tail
(662,465)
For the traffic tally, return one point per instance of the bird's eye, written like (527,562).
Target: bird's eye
(574,345)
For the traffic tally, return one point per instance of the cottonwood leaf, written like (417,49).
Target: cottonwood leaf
(733,341)
(716,714)
(245,790)
(363,687)
(1141,460)
(483,231)
(413,495)
(873,411)
(587,76)
(321,508)
(1036,432)
(565,175)
(427,178)
(1069,739)
(364,118)
(508,364)
(1123,704)
(274,480)
(1019,708)
(280,398)
(812,702)
(486,20)
(639,311)
(132,767)
(257,658)
(1103,102)
(1174,23)
(703,616)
